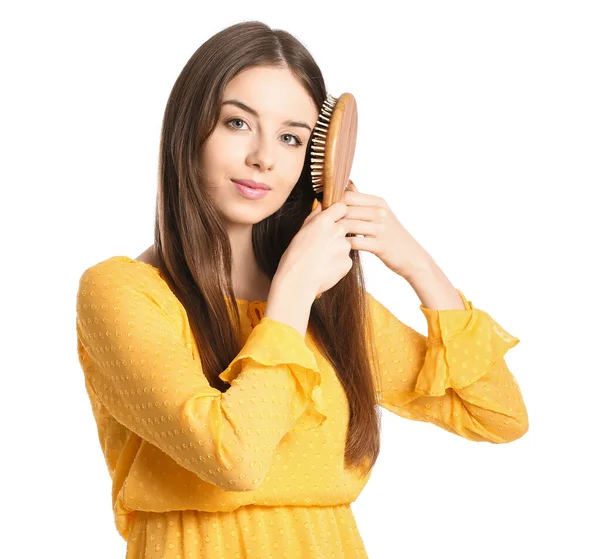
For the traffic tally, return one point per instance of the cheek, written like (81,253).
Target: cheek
(295,167)
(217,157)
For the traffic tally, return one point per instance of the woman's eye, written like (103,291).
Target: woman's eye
(298,141)
(235,120)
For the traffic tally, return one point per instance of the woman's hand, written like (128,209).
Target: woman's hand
(318,256)
(384,235)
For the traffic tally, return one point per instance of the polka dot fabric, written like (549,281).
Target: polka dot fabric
(258,471)
(455,378)
(251,531)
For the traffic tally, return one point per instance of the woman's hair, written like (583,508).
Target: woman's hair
(192,245)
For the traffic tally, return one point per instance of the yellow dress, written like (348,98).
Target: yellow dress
(258,471)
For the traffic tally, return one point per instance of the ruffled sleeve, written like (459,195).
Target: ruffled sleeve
(273,344)
(462,347)
(455,377)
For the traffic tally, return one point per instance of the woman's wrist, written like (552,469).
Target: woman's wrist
(290,303)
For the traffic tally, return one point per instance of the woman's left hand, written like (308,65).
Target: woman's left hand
(384,235)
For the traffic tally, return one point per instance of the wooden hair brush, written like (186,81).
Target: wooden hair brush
(332,148)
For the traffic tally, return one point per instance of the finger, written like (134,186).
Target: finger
(337,210)
(316,209)
(366,244)
(359,227)
(352,186)
(364,213)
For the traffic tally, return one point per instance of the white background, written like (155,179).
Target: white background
(479,123)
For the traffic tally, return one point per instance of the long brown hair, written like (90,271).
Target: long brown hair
(199,272)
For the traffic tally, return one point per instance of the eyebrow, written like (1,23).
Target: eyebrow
(248,109)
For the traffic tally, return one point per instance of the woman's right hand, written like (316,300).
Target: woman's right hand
(319,254)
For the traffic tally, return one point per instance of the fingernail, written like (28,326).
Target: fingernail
(315,204)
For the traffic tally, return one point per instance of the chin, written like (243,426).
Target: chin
(246,217)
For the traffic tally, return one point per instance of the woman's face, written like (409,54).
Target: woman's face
(261,147)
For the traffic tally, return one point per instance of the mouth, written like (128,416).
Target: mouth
(250,192)
(252,184)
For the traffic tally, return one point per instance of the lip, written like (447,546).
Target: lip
(249,192)
(252,184)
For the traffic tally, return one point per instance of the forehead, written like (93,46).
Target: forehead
(272,92)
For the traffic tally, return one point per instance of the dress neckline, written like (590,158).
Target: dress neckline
(157,271)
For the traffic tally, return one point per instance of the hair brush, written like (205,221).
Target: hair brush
(332,148)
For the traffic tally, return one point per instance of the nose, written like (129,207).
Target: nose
(262,154)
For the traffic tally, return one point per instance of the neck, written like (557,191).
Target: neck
(249,281)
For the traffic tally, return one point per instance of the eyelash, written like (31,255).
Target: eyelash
(298,143)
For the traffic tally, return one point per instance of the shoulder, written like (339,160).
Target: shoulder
(121,300)
(119,272)
(120,287)
(115,265)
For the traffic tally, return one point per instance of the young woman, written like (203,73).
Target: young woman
(235,367)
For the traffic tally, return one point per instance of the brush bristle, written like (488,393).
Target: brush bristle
(318,140)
